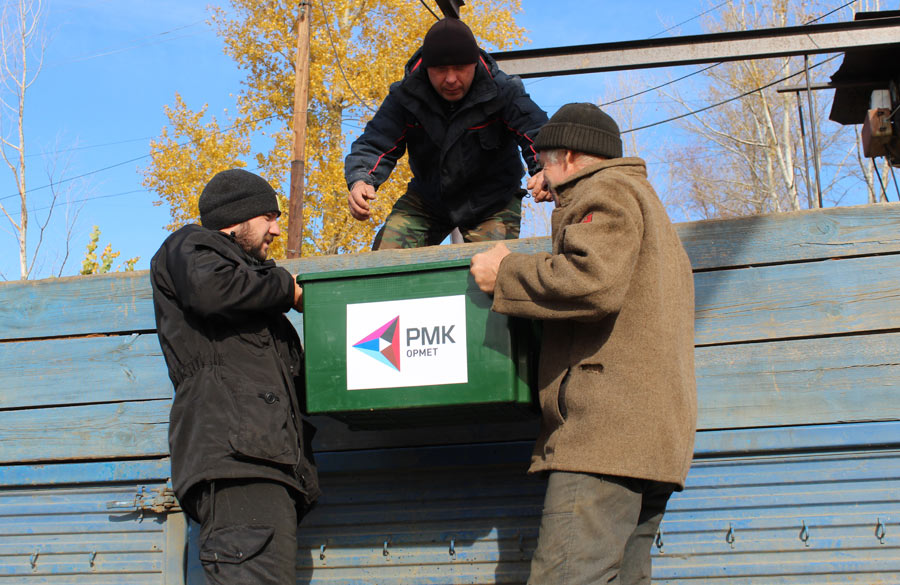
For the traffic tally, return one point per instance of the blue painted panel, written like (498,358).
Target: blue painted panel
(798,300)
(66,535)
(53,372)
(491,512)
(103,431)
(78,473)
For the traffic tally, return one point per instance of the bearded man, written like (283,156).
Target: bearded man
(241,461)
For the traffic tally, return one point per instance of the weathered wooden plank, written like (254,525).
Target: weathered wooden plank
(801,382)
(122,302)
(797,382)
(104,431)
(798,300)
(818,234)
(761,239)
(77,305)
(82,371)
(46,474)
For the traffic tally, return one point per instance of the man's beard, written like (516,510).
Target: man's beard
(250,244)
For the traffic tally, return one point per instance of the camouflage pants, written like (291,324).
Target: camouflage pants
(411,225)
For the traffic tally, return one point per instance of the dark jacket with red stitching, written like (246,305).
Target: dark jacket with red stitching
(463,155)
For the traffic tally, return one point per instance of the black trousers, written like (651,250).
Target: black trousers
(248,531)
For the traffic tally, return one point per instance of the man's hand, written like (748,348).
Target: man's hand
(538,187)
(486,265)
(298,297)
(360,195)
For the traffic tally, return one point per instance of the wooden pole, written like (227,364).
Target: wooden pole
(298,162)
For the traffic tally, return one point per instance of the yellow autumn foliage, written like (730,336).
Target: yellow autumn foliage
(357,49)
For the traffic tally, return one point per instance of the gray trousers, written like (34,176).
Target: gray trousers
(248,531)
(597,529)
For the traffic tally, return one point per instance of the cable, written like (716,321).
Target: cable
(659,86)
(894,176)
(337,58)
(880,181)
(721,4)
(171,148)
(74,148)
(429,9)
(818,18)
(132,46)
(722,103)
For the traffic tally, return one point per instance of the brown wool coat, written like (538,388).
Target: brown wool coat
(616,297)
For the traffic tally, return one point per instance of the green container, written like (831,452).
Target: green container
(413,345)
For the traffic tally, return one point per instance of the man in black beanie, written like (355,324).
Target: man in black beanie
(241,458)
(463,122)
(616,378)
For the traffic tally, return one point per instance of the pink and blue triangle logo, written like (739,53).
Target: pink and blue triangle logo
(383,344)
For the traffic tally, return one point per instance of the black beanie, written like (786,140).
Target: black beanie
(583,128)
(234,196)
(449,42)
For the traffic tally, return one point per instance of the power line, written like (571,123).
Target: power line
(92,146)
(729,100)
(136,44)
(169,149)
(337,58)
(430,10)
(721,4)
(699,71)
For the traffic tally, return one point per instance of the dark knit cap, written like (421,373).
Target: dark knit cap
(449,42)
(583,128)
(234,196)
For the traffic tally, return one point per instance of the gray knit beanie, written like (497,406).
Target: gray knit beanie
(581,127)
(234,196)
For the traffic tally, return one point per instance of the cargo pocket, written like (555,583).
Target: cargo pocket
(235,544)
(265,429)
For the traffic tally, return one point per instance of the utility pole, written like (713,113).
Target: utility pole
(298,161)
(450,8)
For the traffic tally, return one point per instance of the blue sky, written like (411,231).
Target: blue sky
(111,66)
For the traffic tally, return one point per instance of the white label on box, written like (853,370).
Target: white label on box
(416,342)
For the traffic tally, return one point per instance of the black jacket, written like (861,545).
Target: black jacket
(463,155)
(235,361)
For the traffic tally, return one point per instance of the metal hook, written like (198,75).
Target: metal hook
(880,531)
(659,540)
(384,551)
(804,534)
(92,557)
(521,542)
(322,553)
(452,547)
(34,557)
(729,536)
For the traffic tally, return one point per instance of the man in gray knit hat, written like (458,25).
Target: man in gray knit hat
(617,389)
(241,458)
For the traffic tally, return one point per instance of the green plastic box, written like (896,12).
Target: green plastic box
(413,345)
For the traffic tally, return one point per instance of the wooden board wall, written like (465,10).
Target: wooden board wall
(797,316)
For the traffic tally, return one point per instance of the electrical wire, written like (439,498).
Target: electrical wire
(337,58)
(721,4)
(136,44)
(699,71)
(429,9)
(169,149)
(896,187)
(880,181)
(729,100)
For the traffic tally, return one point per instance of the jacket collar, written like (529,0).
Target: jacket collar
(564,190)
